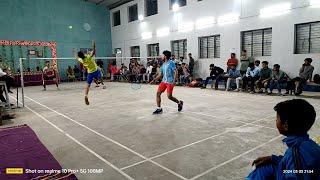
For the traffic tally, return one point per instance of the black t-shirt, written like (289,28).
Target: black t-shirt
(143,70)
(216,71)
(100,63)
(76,70)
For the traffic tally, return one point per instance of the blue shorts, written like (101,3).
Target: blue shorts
(91,76)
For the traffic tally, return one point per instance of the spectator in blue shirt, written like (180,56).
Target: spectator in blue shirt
(302,158)
(252,75)
(233,75)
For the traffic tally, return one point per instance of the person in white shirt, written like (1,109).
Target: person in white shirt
(148,73)
(252,75)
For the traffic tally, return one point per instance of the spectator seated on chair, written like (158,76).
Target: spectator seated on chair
(49,74)
(135,73)
(124,73)
(233,61)
(294,120)
(77,72)
(38,70)
(265,76)
(70,74)
(114,70)
(278,79)
(233,76)
(252,75)
(142,73)
(148,76)
(305,75)
(215,74)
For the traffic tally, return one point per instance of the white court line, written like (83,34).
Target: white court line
(109,139)
(79,143)
(188,145)
(248,123)
(234,158)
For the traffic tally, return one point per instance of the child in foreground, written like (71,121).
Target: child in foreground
(301,160)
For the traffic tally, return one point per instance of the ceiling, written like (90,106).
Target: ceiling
(109,3)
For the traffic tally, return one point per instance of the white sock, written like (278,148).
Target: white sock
(159,108)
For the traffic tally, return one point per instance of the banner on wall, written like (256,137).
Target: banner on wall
(51,45)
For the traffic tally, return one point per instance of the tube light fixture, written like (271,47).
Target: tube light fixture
(228,18)
(163,32)
(275,10)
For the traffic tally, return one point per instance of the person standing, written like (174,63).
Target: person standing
(233,61)
(244,62)
(191,64)
(169,77)
(305,75)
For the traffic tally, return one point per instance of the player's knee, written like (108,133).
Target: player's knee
(170,96)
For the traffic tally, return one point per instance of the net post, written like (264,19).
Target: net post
(21,80)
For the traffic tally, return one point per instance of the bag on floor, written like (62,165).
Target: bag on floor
(196,83)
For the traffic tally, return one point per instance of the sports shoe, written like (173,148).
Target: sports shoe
(158,111)
(180,106)
(86,100)
(104,87)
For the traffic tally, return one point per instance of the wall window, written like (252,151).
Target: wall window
(209,46)
(116,18)
(151,7)
(135,51)
(153,50)
(257,42)
(180,2)
(307,38)
(133,13)
(179,48)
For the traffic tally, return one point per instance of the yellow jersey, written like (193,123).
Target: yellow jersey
(89,63)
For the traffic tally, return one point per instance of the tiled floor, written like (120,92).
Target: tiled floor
(216,136)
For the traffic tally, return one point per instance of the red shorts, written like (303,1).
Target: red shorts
(166,86)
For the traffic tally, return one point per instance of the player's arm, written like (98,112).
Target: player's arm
(157,78)
(93,53)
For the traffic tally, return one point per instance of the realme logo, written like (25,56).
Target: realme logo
(14,170)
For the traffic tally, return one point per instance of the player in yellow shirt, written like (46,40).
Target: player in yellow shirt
(88,61)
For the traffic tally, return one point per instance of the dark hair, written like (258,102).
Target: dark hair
(167,54)
(276,65)
(81,55)
(298,114)
(265,62)
(309,60)
(114,63)
(257,61)
(251,65)
(244,50)
(190,54)
(183,63)
(211,65)
(234,54)
(47,61)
